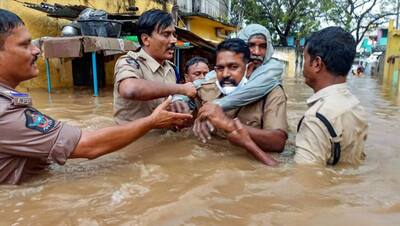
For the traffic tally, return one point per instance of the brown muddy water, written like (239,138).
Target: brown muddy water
(172,179)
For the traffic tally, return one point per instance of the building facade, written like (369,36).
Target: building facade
(392,58)
(40,25)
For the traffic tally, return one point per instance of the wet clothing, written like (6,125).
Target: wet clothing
(30,140)
(269,112)
(263,79)
(344,112)
(138,65)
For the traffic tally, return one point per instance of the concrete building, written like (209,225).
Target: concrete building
(40,25)
(204,18)
(392,58)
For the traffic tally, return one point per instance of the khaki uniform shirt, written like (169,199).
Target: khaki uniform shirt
(30,140)
(344,112)
(138,65)
(267,113)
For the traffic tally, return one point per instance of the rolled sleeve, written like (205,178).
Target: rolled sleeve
(125,69)
(30,141)
(65,144)
(26,139)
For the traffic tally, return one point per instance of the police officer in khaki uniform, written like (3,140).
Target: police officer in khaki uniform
(334,128)
(144,78)
(265,120)
(30,140)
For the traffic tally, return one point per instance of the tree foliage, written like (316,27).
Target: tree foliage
(299,18)
(283,18)
(359,16)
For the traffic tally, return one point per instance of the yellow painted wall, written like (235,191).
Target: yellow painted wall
(205,28)
(287,55)
(39,24)
(393,49)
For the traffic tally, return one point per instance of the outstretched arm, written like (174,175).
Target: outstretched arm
(103,141)
(141,89)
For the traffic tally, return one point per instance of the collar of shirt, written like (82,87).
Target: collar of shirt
(153,64)
(6,87)
(327,91)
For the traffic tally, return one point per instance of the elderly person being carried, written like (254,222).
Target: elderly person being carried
(264,119)
(267,74)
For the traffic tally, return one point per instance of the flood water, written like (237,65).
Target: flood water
(172,179)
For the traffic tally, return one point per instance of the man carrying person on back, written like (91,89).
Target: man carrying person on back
(334,128)
(265,119)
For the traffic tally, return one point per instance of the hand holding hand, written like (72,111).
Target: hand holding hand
(161,118)
(189,89)
(214,114)
(179,107)
(203,129)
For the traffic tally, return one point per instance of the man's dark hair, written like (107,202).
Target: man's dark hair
(195,60)
(236,45)
(153,20)
(8,21)
(335,46)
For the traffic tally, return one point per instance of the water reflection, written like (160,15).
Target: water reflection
(173,179)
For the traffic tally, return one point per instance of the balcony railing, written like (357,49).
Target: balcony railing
(213,8)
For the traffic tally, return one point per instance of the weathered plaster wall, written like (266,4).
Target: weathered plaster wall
(40,25)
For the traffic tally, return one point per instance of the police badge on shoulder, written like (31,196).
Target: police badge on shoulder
(38,121)
(21,99)
(133,63)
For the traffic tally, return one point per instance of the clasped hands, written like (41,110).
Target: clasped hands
(211,116)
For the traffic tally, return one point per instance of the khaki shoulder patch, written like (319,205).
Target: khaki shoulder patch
(133,63)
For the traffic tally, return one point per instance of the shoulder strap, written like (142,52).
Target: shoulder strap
(5,94)
(17,99)
(299,124)
(335,143)
(335,140)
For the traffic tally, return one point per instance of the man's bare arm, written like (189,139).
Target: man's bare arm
(103,141)
(272,140)
(140,89)
(241,137)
